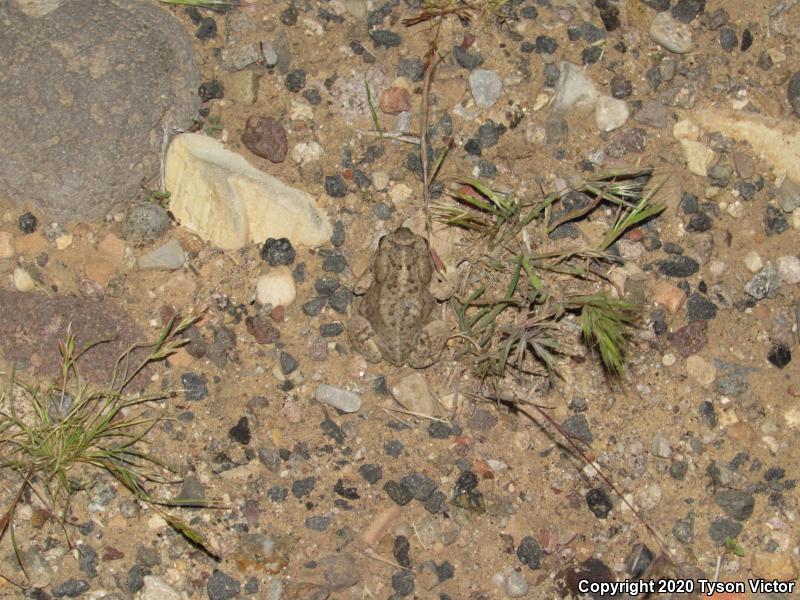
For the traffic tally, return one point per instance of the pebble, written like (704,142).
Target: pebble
(261,329)
(529,552)
(265,137)
(611,113)
(145,223)
(789,269)
(413,393)
(39,573)
(598,502)
(167,257)
(671,34)
(419,485)
(722,529)
(774,566)
(71,588)
(382,38)
(278,252)
(577,426)
(195,387)
(652,113)
(779,355)
(700,308)
(269,54)
(638,560)
(276,288)
(221,586)
(735,503)
(700,370)
(516,586)
(395,100)
(335,186)
(678,266)
(206,28)
(467,60)
(155,588)
(661,447)
(339,398)
(574,89)
(486,87)
(546,44)
(683,529)
(403,583)
(340,571)
(789,195)
(774,221)
(23,282)
(240,432)
(668,296)
(793,93)
(753,262)
(372,473)
(27,223)
(698,156)
(295,80)
(649,496)
(621,87)
(211,90)
(317,523)
(685,11)
(237,58)
(765,284)
(411,68)
(728,39)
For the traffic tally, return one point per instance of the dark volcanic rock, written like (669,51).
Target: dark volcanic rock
(33,325)
(107,75)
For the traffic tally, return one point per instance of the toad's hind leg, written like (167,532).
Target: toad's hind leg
(427,345)
(363,338)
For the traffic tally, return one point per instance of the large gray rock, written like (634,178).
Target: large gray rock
(85,86)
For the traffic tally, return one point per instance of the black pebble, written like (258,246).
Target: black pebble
(372,473)
(545,44)
(401,551)
(728,38)
(335,186)
(289,16)
(779,355)
(747,40)
(240,432)
(27,223)
(399,493)
(598,502)
(295,80)
(529,552)
(383,38)
(639,559)
(700,308)
(210,90)
(278,252)
(678,266)
(207,29)
(195,386)
(403,583)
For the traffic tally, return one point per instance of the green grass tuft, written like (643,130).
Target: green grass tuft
(57,437)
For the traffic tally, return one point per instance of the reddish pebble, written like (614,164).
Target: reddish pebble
(266,138)
(278,313)
(468,40)
(395,100)
(635,235)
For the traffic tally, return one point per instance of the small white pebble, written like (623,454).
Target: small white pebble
(668,359)
(753,261)
(23,281)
